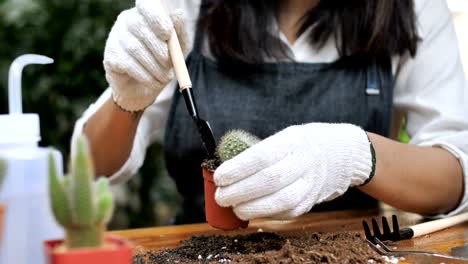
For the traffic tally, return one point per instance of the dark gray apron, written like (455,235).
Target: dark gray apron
(266,98)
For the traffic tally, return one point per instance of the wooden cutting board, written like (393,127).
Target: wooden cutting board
(440,242)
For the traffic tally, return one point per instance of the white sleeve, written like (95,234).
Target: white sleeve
(432,90)
(150,130)
(152,123)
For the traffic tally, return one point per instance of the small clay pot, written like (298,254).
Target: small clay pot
(217,216)
(2,219)
(117,251)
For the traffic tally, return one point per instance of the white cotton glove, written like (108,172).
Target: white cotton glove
(136,56)
(288,173)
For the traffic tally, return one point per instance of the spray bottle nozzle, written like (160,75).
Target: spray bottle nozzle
(14,79)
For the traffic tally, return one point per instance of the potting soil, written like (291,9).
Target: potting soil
(265,247)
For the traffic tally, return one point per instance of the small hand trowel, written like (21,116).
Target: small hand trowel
(185,87)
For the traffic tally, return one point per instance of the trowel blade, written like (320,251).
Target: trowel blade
(461,251)
(207,137)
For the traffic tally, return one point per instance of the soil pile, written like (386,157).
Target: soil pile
(264,247)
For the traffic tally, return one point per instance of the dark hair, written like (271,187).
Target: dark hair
(238,30)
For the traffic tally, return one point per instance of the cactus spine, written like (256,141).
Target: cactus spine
(234,142)
(83,207)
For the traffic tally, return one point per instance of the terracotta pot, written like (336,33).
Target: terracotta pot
(217,216)
(2,219)
(120,252)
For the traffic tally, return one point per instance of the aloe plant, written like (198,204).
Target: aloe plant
(83,207)
(235,142)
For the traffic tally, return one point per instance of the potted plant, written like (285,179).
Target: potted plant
(231,144)
(3,171)
(83,207)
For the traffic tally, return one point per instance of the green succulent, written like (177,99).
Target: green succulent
(83,207)
(234,142)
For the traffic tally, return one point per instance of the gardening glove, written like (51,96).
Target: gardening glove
(288,173)
(136,56)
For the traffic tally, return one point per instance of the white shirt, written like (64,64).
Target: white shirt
(430,89)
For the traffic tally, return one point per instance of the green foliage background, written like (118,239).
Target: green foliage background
(73,33)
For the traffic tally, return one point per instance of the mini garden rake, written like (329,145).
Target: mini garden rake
(414,256)
(409,232)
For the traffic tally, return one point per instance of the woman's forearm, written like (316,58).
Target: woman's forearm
(425,180)
(111,132)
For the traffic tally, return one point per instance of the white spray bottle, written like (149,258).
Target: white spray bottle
(29,219)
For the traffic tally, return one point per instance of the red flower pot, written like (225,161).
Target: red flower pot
(217,216)
(118,251)
(2,219)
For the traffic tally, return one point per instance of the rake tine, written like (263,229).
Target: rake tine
(396,229)
(376,229)
(367,231)
(387,234)
(377,249)
(416,256)
(383,246)
(388,250)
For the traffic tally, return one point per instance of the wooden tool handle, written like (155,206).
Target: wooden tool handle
(178,62)
(436,225)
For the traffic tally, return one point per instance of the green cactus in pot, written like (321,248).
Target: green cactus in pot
(235,142)
(83,207)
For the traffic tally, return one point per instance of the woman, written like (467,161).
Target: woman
(317,80)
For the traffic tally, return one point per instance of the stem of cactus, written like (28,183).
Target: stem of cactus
(81,185)
(90,236)
(58,196)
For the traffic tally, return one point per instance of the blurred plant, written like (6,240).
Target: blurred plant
(80,205)
(73,33)
(403,135)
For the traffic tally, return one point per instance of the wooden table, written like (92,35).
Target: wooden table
(170,236)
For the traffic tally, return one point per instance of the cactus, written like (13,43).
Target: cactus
(233,143)
(83,207)
(3,171)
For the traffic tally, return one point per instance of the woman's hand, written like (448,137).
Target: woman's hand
(136,57)
(288,173)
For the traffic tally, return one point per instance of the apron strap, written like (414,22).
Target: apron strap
(372,87)
(378,74)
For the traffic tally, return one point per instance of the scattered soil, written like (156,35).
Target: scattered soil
(264,247)
(211,164)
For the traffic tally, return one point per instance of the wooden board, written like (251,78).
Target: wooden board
(170,236)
